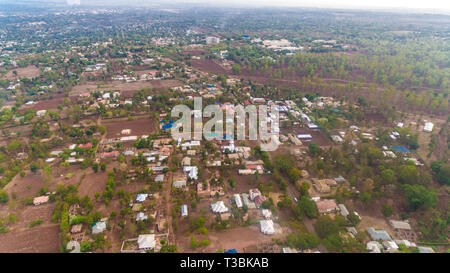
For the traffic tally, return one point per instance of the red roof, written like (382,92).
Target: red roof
(254,167)
(110,154)
(85,146)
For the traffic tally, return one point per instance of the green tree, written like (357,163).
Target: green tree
(418,196)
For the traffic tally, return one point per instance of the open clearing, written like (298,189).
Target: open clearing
(127,89)
(138,126)
(30,71)
(40,239)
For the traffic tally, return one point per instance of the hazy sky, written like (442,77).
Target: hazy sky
(436,5)
(421,4)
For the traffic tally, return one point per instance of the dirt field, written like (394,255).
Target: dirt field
(30,71)
(238,238)
(138,126)
(127,89)
(317,136)
(40,239)
(25,186)
(49,104)
(208,66)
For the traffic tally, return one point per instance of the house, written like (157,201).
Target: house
(141,216)
(343,210)
(73,247)
(85,146)
(179,184)
(340,179)
(192,171)
(267,214)
(352,230)
(374,247)
(41,113)
(159,178)
(428,127)
(326,205)
(112,154)
(304,136)
(321,186)
(405,243)
(184,210)
(400,225)
(390,246)
(246,201)
(98,227)
(238,201)
(379,235)
(267,227)
(255,168)
(56,153)
(141,197)
(40,200)
(219,207)
(146,242)
(425,249)
(186,161)
(289,250)
(215,163)
(336,138)
(76,228)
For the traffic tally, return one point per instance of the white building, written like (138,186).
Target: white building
(267,227)
(428,127)
(212,40)
(146,241)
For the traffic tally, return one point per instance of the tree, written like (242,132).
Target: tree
(303,241)
(3,196)
(387,210)
(408,174)
(236,68)
(193,243)
(314,149)
(325,226)
(388,176)
(168,249)
(103,166)
(353,219)
(418,196)
(442,172)
(307,206)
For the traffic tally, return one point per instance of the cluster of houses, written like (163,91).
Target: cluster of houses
(382,241)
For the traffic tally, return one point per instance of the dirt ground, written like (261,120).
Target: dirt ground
(40,239)
(30,71)
(26,186)
(239,238)
(48,104)
(317,136)
(138,126)
(208,65)
(127,89)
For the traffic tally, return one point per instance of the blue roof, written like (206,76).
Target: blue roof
(210,85)
(227,137)
(167,126)
(400,149)
(231,251)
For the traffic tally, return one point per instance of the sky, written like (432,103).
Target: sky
(436,5)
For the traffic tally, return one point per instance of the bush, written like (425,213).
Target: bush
(387,210)
(4,198)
